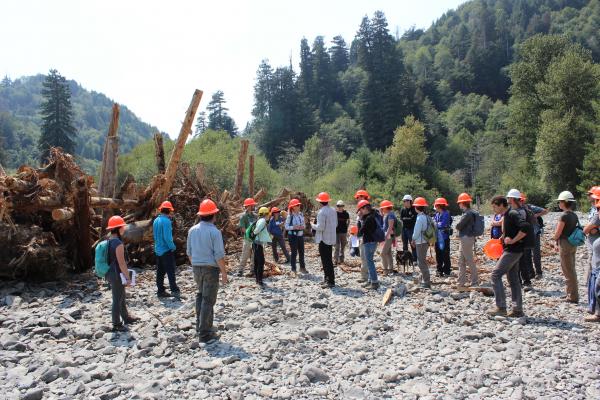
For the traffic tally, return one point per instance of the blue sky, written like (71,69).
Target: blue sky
(151,55)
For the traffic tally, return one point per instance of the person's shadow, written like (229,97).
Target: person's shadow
(224,350)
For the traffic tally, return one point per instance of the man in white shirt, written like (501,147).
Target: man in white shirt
(325,237)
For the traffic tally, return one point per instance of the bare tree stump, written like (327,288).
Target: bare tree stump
(239,178)
(81,208)
(108,172)
(159,153)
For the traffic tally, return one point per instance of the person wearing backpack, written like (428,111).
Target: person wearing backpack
(466,234)
(514,229)
(164,249)
(526,270)
(325,237)
(443,221)
(341,232)
(206,252)
(260,237)
(567,243)
(593,279)
(247,219)
(359,196)
(420,241)
(118,266)
(274,228)
(538,229)
(294,226)
(371,233)
(408,216)
(389,228)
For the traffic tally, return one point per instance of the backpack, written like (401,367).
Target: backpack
(379,234)
(101,265)
(577,237)
(529,239)
(430,234)
(398,228)
(478,224)
(250,235)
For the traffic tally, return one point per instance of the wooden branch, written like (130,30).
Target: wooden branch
(106,202)
(239,178)
(259,195)
(108,172)
(81,203)
(251,174)
(171,171)
(284,195)
(159,153)
(200,173)
(62,214)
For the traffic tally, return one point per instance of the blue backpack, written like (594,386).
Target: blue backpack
(577,237)
(101,265)
(379,234)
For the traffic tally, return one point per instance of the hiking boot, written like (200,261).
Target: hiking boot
(515,314)
(303,270)
(373,286)
(324,285)
(177,295)
(240,273)
(498,312)
(592,318)
(119,328)
(209,338)
(249,275)
(366,285)
(361,280)
(538,276)
(132,320)
(164,295)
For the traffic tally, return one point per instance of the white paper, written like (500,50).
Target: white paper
(132,273)
(354,241)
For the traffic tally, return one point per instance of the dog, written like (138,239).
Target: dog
(404,260)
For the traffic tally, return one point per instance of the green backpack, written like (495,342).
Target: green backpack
(430,234)
(101,265)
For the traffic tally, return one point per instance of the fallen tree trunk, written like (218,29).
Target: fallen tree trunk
(138,232)
(62,214)
(259,195)
(283,196)
(105,202)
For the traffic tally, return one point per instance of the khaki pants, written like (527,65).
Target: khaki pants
(340,245)
(386,255)
(246,255)
(567,264)
(422,262)
(466,257)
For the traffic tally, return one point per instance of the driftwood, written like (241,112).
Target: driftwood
(81,209)
(108,171)
(239,178)
(159,153)
(283,196)
(62,214)
(259,195)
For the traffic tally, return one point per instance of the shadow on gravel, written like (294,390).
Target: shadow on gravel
(549,293)
(224,350)
(349,292)
(553,323)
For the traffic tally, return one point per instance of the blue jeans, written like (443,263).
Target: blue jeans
(165,264)
(369,253)
(297,247)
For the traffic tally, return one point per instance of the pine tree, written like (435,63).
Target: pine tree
(201,123)
(263,91)
(306,79)
(323,77)
(339,55)
(57,116)
(218,119)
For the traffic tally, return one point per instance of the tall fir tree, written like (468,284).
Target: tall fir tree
(323,77)
(339,55)
(201,123)
(57,116)
(218,119)
(306,79)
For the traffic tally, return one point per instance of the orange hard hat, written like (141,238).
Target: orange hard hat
(115,222)
(592,189)
(420,202)
(361,193)
(354,229)
(207,207)
(596,193)
(523,196)
(362,203)
(386,204)
(493,249)
(464,198)
(167,205)
(323,197)
(440,201)
(275,210)
(294,203)
(249,202)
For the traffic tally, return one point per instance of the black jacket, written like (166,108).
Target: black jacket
(367,228)
(513,224)
(408,217)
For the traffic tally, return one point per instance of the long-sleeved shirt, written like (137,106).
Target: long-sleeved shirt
(205,244)
(367,228)
(466,224)
(343,218)
(408,217)
(246,220)
(325,226)
(514,223)
(275,226)
(294,220)
(162,230)
(420,228)
(443,221)
(261,232)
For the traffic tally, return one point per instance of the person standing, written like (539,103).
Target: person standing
(408,215)
(294,225)
(591,229)
(466,234)
(247,219)
(261,239)
(593,279)
(325,236)
(118,267)
(526,270)
(565,227)
(341,232)
(275,229)
(443,221)
(515,229)
(206,253)
(361,195)
(536,252)
(420,242)
(389,226)
(368,231)
(164,249)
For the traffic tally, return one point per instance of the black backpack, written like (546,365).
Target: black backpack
(529,239)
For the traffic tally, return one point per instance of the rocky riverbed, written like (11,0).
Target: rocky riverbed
(294,340)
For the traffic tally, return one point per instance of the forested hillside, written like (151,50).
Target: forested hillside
(20,122)
(497,93)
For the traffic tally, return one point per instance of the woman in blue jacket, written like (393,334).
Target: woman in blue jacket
(443,221)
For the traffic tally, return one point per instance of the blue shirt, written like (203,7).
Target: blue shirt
(387,218)
(205,244)
(275,226)
(443,221)
(294,220)
(496,232)
(162,229)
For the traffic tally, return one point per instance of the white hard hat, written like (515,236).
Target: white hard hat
(514,194)
(407,197)
(566,196)
(340,203)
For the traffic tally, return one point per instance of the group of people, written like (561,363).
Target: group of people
(516,224)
